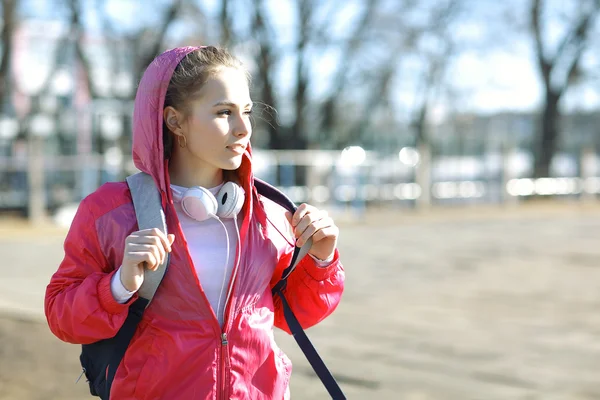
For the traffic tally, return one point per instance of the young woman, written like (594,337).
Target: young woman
(208,333)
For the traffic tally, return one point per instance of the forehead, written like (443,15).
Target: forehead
(227,84)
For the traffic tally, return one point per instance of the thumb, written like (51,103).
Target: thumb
(171,238)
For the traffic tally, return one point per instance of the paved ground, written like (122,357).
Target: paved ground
(493,304)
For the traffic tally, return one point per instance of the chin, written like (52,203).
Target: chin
(232,164)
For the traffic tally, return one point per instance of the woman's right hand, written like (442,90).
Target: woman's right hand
(147,248)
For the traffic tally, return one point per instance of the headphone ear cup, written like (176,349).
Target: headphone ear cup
(199,203)
(230,200)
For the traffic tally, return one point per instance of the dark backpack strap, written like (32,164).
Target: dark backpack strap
(310,352)
(303,341)
(101,359)
(272,193)
(123,338)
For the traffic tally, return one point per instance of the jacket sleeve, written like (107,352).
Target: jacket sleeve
(312,292)
(79,304)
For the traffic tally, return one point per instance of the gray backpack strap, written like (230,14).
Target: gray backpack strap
(150,214)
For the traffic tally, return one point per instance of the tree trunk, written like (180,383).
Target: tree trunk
(226,36)
(419,125)
(9,22)
(547,142)
(265,66)
(268,97)
(423,175)
(298,138)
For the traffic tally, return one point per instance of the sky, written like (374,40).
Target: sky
(501,77)
(493,79)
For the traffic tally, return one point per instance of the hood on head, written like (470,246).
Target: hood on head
(147,146)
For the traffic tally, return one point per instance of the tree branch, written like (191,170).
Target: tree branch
(577,38)
(543,63)
(77,33)
(573,36)
(348,54)
(156,46)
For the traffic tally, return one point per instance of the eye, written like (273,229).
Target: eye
(224,112)
(248,112)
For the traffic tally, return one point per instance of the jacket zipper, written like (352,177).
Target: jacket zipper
(224,366)
(224,363)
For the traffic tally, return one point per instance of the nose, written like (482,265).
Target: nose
(242,127)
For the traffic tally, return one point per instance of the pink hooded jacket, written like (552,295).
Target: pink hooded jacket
(179,350)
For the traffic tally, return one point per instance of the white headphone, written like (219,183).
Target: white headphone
(200,204)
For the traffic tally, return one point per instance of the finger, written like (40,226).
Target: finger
(327,232)
(313,229)
(151,236)
(156,249)
(158,233)
(301,211)
(304,223)
(154,244)
(171,238)
(163,238)
(308,219)
(145,257)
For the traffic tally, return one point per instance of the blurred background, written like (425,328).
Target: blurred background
(388,103)
(462,136)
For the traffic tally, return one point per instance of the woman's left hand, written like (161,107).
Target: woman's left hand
(309,221)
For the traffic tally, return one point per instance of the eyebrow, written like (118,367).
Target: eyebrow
(230,104)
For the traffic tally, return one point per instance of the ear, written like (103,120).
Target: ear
(173,119)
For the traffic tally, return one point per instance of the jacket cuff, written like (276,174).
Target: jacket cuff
(322,263)
(321,273)
(119,292)
(106,298)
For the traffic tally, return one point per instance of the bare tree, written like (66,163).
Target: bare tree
(350,53)
(313,35)
(225,23)
(8,27)
(435,63)
(369,55)
(377,96)
(558,71)
(304,10)
(266,61)
(145,44)
(141,46)
(401,38)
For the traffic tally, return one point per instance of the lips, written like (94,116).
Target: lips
(237,148)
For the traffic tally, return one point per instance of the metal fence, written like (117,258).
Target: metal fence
(350,178)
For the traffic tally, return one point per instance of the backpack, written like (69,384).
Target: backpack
(100,360)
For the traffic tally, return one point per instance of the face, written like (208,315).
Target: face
(217,128)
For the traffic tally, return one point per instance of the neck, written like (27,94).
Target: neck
(182,175)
